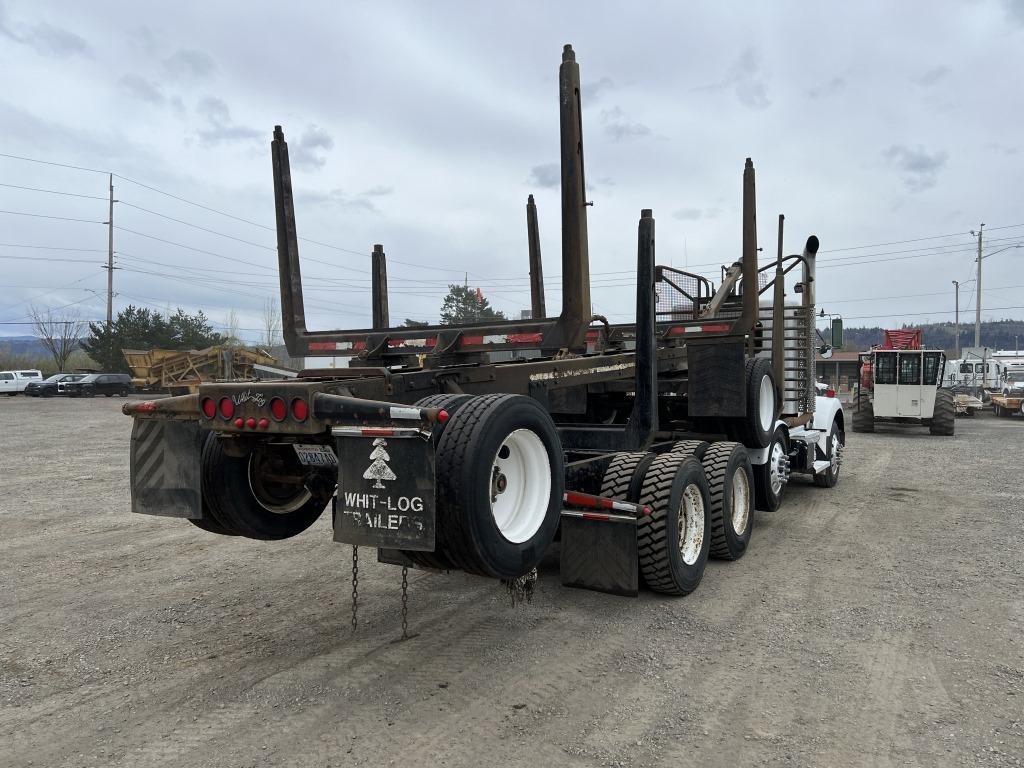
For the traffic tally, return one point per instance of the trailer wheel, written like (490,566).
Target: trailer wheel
(864,414)
(770,478)
(500,480)
(674,540)
(944,415)
(451,403)
(834,455)
(245,493)
(731,489)
(624,476)
(756,428)
(695,448)
(210,525)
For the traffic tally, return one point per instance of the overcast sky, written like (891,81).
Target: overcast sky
(424,126)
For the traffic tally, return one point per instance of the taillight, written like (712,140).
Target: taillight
(239,422)
(227,408)
(250,423)
(263,423)
(300,409)
(209,407)
(442,416)
(830,393)
(278,409)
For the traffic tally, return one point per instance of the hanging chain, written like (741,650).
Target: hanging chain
(405,603)
(355,586)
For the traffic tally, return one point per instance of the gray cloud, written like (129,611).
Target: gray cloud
(548,175)
(833,86)
(932,76)
(1015,10)
(695,214)
(189,64)
(339,200)
(44,38)
(219,127)
(378,191)
(618,126)
(593,91)
(142,89)
(918,167)
(1002,149)
(307,150)
(748,80)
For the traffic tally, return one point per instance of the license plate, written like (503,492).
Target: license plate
(316,455)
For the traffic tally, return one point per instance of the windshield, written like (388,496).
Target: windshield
(91,377)
(1015,376)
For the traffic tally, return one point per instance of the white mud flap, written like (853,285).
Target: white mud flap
(165,468)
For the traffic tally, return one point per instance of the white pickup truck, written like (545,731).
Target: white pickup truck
(14,382)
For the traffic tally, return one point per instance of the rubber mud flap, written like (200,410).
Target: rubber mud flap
(165,468)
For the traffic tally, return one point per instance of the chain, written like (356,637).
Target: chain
(355,586)
(405,603)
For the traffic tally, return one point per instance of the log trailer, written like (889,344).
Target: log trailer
(638,449)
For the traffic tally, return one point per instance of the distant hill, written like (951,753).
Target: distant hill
(27,346)
(997,334)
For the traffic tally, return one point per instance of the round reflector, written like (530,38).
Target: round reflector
(263,423)
(239,422)
(250,423)
(278,409)
(442,416)
(300,409)
(209,407)
(227,408)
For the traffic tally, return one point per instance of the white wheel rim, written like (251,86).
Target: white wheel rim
(520,486)
(691,524)
(740,501)
(834,457)
(766,404)
(775,467)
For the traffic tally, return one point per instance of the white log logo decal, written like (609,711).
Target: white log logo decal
(378,469)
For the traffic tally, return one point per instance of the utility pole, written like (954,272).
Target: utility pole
(110,258)
(957,344)
(977,308)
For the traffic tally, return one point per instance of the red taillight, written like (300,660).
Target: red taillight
(250,423)
(263,423)
(278,409)
(300,409)
(830,393)
(442,416)
(226,407)
(239,422)
(209,407)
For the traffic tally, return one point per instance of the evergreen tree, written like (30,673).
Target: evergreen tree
(466,305)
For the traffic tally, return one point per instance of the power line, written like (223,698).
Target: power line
(53,192)
(50,162)
(52,248)
(56,218)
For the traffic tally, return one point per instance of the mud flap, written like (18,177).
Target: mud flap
(386,490)
(600,554)
(165,468)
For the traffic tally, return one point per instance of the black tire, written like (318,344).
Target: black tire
(108,394)
(751,430)
(124,392)
(723,464)
(864,414)
(662,563)
(766,499)
(467,452)
(830,476)
(208,524)
(451,403)
(944,415)
(624,476)
(695,448)
(229,494)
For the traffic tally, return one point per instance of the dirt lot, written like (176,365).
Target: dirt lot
(878,623)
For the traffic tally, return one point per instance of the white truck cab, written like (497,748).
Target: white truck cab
(14,382)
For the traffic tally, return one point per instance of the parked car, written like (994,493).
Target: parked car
(108,384)
(48,387)
(13,382)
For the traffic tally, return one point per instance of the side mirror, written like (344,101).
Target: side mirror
(825,351)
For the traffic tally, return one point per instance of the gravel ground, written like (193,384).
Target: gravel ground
(877,623)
